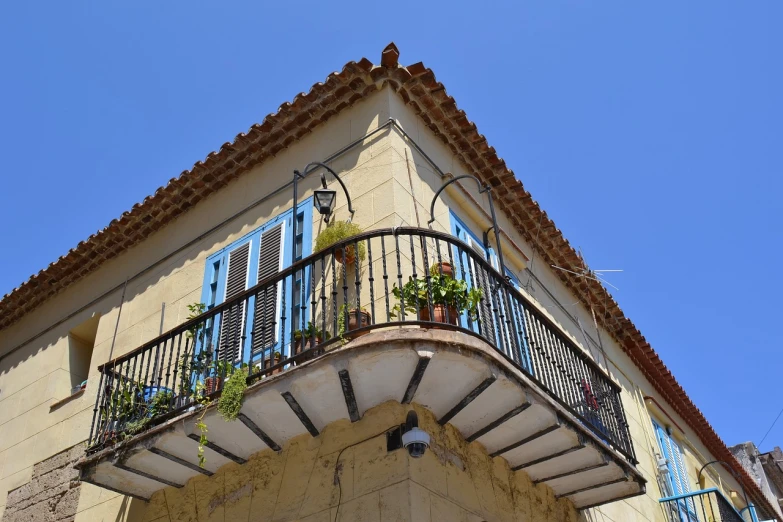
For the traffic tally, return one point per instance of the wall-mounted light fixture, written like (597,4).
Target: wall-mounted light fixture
(327,197)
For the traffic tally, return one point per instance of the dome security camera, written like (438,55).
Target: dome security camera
(415,440)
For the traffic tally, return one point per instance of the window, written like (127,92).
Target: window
(253,326)
(676,478)
(510,334)
(81,341)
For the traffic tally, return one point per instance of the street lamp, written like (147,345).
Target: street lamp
(323,199)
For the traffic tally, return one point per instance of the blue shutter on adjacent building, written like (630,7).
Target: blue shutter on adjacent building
(677,475)
(255,324)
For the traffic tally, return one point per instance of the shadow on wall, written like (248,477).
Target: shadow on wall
(189,252)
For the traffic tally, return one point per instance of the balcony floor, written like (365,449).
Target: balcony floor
(459,378)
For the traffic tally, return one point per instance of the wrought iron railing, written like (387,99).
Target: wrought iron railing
(379,279)
(707,505)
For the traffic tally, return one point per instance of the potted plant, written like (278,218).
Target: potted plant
(444,268)
(217,370)
(447,296)
(273,361)
(338,231)
(303,339)
(357,318)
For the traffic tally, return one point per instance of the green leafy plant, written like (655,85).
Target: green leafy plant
(311,332)
(195,310)
(233,393)
(158,405)
(230,400)
(203,400)
(444,290)
(338,231)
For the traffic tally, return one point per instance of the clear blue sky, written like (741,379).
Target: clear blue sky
(652,133)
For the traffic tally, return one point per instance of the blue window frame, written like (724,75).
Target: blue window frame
(254,329)
(506,338)
(677,476)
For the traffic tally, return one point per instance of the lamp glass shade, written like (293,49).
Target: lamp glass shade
(323,200)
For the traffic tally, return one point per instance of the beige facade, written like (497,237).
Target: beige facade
(391,184)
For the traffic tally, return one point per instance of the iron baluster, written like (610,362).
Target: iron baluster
(371,280)
(399,275)
(385,279)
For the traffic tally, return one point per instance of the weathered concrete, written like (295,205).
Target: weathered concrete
(51,494)
(748,455)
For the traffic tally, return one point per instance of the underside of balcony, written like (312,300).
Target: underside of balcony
(459,378)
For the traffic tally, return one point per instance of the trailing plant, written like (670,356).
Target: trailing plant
(233,393)
(195,310)
(338,231)
(230,401)
(444,290)
(203,400)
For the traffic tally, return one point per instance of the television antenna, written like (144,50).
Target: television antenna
(588,273)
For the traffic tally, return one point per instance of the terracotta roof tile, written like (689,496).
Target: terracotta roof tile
(417,85)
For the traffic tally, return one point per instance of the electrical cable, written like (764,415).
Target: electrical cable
(192,242)
(337,466)
(770,428)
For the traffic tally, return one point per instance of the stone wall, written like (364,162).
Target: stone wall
(347,474)
(52,493)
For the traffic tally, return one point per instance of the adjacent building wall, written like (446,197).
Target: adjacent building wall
(749,457)
(773,468)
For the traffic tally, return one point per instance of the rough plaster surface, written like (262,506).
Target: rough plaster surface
(348,468)
(52,493)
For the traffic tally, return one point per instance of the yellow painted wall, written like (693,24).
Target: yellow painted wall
(388,180)
(36,374)
(473,209)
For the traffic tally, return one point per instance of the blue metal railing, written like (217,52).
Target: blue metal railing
(706,505)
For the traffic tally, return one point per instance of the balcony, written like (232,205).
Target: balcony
(707,505)
(401,314)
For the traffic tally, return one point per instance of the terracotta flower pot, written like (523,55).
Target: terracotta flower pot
(212,384)
(439,314)
(345,256)
(299,347)
(272,362)
(445,268)
(358,319)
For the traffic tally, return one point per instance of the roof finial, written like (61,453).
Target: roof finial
(390,55)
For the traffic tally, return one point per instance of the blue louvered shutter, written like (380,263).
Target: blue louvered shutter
(266,308)
(232,320)
(677,478)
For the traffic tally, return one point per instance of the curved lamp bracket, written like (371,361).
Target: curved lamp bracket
(736,477)
(316,164)
(482,189)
